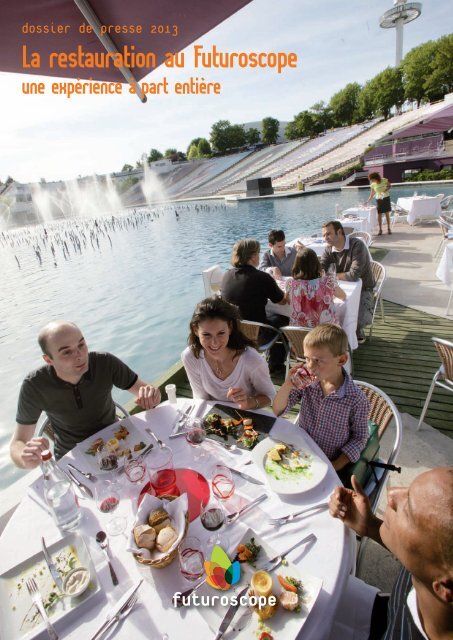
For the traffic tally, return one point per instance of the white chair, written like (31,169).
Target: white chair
(445,202)
(444,375)
(446,229)
(363,235)
(378,271)
(398,214)
(212,280)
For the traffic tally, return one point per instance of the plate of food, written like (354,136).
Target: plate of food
(19,618)
(242,428)
(111,447)
(287,595)
(290,467)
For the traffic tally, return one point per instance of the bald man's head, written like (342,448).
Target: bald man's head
(51,330)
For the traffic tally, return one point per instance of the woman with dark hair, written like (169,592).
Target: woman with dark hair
(221,362)
(310,293)
(380,187)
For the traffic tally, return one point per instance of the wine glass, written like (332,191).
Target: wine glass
(195,436)
(107,501)
(212,518)
(135,470)
(191,558)
(222,482)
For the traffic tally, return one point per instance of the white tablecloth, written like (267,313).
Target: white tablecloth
(347,310)
(445,269)
(420,207)
(331,558)
(369,213)
(357,224)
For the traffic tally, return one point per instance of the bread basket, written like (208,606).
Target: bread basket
(167,559)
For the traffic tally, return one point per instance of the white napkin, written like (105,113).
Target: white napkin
(176,509)
(36,493)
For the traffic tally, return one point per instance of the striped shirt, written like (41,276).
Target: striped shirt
(401,625)
(338,422)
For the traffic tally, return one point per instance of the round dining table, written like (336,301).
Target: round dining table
(331,558)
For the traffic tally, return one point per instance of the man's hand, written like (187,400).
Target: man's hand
(31,452)
(276,273)
(148,396)
(353,507)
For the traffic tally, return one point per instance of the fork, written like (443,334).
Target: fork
(161,444)
(39,604)
(122,613)
(291,516)
(87,474)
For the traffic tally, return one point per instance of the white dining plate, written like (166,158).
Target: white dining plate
(246,624)
(19,618)
(135,437)
(290,483)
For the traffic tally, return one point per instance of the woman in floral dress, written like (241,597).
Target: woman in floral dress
(310,293)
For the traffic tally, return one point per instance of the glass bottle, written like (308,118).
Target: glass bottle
(59,494)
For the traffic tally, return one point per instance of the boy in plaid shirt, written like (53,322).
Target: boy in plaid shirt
(333,410)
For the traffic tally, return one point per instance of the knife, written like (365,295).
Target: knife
(52,566)
(121,603)
(83,488)
(245,476)
(231,612)
(184,415)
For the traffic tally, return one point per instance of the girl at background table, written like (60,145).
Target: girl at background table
(221,362)
(380,188)
(310,293)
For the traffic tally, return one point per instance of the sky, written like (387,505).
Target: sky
(53,137)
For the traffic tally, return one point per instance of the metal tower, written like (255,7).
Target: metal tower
(402,13)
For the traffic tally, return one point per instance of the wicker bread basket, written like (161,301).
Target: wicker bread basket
(163,562)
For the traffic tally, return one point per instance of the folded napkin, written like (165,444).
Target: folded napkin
(176,510)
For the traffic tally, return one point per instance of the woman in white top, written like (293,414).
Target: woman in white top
(221,362)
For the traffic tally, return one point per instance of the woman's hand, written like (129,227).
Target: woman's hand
(238,395)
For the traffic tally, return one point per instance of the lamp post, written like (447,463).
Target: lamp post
(395,18)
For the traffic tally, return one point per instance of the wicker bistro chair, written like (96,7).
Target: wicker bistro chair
(378,271)
(443,376)
(252,329)
(45,427)
(382,412)
(363,235)
(295,337)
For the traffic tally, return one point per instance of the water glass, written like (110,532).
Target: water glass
(222,482)
(135,470)
(107,501)
(191,558)
(161,472)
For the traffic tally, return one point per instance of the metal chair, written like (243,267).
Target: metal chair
(446,229)
(295,337)
(252,330)
(445,202)
(378,271)
(45,427)
(363,235)
(382,411)
(443,376)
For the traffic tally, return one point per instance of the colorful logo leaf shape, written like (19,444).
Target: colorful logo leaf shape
(220,572)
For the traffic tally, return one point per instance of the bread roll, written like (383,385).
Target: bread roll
(159,519)
(166,538)
(145,536)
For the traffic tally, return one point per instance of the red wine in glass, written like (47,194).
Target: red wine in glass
(213,518)
(196,436)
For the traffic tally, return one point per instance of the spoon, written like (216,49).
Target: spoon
(87,474)
(101,539)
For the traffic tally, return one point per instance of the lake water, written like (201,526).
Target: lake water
(133,294)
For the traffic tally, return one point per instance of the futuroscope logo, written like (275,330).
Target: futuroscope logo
(220,572)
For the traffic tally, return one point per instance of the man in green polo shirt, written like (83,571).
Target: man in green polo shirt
(74,388)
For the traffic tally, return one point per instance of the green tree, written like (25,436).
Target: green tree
(440,80)
(344,104)
(365,103)
(170,153)
(252,135)
(323,118)
(193,153)
(154,155)
(269,128)
(204,148)
(416,67)
(387,89)
(127,167)
(303,125)
(195,141)
(225,136)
